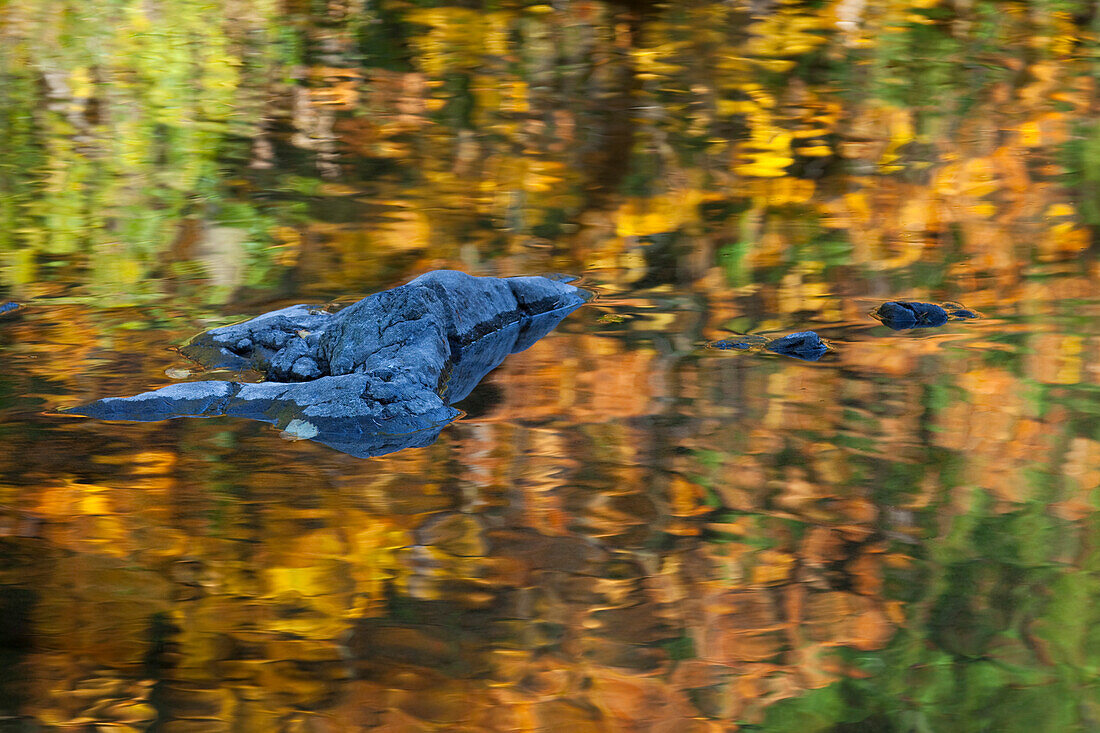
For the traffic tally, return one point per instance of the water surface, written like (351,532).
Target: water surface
(628,531)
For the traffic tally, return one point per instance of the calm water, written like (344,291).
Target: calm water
(628,531)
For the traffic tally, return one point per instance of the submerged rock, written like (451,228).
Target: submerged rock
(808,346)
(375,377)
(956,312)
(804,345)
(903,315)
(752,342)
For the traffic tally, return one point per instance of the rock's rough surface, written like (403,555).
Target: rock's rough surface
(375,377)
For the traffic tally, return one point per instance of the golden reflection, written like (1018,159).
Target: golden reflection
(627,532)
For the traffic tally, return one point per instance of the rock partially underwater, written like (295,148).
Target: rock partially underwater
(804,345)
(899,315)
(373,378)
(903,315)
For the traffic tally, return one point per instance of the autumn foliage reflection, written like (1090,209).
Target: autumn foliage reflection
(628,532)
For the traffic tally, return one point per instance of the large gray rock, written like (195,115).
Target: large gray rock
(375,377)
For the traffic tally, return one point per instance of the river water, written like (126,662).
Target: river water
(628,531)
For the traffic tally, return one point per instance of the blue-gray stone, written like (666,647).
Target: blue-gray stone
(375,377)
(805,345)
(903,315)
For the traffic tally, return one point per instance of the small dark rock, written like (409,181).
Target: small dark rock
(904,315)
(805,345)
(750,342)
